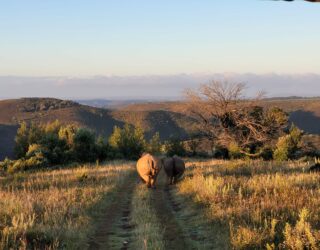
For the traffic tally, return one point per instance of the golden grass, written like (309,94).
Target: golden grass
(264,204)
(148,230)
(54,209)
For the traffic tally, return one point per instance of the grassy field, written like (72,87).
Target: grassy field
(217,205)
(148,232)
(263,205)
(56,209)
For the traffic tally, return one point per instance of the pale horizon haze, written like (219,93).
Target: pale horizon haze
(81,48)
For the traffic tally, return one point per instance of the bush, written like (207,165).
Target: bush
(54,149)
(234,151)
(154,146)
(288,145)
(127,142)
(21,141)
(103,150)
(174,147)
(35,162)
(67,134)
(4,165)
(84,145)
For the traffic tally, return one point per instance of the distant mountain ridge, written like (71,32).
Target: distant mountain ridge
(167,118)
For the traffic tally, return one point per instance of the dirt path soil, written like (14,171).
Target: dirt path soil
(179,223)
(165,207)
(114,230)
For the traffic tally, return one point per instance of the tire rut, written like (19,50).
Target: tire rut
(114,228)
(173,235)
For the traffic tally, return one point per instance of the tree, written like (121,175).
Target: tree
(84,145)
(227,117)
(21,141)
(54,149)
(154,146)
(193,144)
(102,149)
(67,133)
(127,142)
(288,145)
(175,147)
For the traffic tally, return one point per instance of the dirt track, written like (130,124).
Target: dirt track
(173,235)
(115,232)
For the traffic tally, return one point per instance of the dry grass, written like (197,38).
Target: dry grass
(148,230)
(55,209)
(264,204)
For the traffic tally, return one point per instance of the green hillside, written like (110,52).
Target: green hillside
(102,121)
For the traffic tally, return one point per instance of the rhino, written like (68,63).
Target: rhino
(174,168)
(148,167)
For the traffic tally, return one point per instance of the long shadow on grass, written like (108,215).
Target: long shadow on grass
(209,233)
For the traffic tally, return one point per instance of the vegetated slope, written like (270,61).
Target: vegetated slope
(167,123)
(303,112)
(102,121)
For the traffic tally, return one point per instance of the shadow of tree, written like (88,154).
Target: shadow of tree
(306,120)
(7,135)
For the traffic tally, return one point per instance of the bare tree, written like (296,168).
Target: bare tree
(226,116)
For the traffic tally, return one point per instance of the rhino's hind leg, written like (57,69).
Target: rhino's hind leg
(147,180)
(153,182)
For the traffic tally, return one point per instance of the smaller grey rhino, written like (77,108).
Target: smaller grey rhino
(174,168)
(148,167)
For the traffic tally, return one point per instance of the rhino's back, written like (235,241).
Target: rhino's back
(143,165)
(179,165)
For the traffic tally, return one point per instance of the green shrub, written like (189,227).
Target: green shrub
(35,162)
(154,145)
(67,134)
(288,145)
(174,147)
(21,141)
(4,165)
(127,142)
(103,150)
(84,145)
(234,151)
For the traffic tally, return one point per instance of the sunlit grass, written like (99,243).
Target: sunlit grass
(264,204)
(148,230)
(54,209)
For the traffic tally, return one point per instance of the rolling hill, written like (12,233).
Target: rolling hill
(167,118)
(303,112)
(43,110)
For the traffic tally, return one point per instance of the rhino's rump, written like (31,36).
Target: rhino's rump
(174,167)
(144,167)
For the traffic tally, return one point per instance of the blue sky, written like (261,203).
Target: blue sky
(126,37)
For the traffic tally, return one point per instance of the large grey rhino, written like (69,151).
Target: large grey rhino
(174,168)
(148,167)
